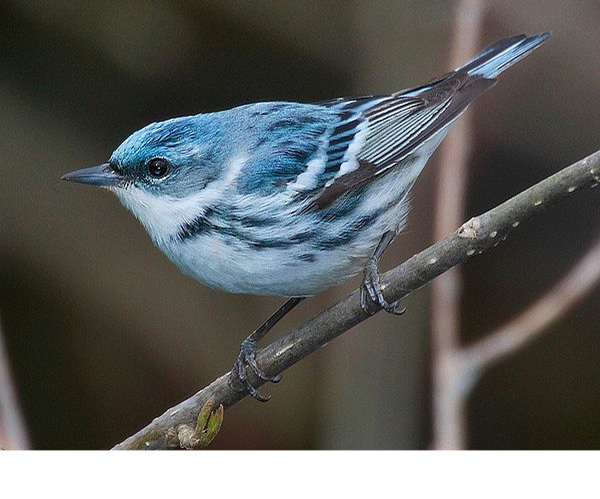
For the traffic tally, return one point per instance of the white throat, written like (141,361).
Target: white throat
(163,215)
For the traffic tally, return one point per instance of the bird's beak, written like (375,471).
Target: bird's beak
(102,175)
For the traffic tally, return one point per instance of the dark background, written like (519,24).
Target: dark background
(104,333)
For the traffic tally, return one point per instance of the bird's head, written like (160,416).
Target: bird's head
(158,170)
(174,158)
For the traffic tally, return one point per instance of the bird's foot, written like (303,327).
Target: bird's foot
(370,291)
(239,374)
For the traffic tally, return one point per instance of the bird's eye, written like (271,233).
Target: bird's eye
(158,167)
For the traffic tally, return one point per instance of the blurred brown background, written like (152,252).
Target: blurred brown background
(104,333)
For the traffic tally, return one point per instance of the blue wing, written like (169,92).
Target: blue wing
(305,148)
(285,139)
(326,149)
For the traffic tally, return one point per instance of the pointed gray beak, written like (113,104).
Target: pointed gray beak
(102,175)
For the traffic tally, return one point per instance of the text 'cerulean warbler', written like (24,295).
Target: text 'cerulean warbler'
(282,198)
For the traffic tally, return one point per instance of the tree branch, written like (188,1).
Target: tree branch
(472,238)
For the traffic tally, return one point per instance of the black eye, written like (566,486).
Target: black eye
(158,167)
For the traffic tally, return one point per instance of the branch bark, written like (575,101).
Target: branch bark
(474,237)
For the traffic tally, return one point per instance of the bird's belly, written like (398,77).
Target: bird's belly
(296,256)
(226,264)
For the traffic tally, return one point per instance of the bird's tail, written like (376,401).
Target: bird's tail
(491,61)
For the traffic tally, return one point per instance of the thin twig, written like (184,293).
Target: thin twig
(448,408)
(474,237)
(556,303)
(13,434)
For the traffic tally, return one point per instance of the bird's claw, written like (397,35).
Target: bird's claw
(239,375)
(371,291)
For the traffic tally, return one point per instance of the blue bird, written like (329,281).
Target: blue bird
(282,198)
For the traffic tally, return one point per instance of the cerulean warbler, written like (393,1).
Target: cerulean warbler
(282,198)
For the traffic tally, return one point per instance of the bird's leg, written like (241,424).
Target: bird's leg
(247,355)
(371,286)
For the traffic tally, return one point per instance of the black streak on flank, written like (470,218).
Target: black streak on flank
(207,223)
(200,225)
